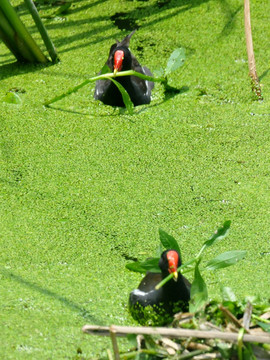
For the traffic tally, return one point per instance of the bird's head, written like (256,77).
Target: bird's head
(169,262)
(118,59)
(121,59)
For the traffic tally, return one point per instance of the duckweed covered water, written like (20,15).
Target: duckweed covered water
(84,188)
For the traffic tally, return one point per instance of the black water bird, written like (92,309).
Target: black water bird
(172,297)
(122,59)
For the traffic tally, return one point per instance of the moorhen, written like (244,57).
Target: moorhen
(156,307)
(121,59)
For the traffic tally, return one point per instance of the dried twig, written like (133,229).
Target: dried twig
(114,343)
(263,338)
(231,317)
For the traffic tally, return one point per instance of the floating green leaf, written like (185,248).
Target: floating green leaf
(12,98)
(175,61)
(144,266)
(126,98)
(225,259)
(168,241)
(217,236)
(198,291)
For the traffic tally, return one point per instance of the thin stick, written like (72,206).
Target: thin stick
(175,333)
(114,343)
(231,317)
(251,58)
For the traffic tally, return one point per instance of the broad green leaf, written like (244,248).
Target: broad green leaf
(126,99)
(105,70)
(265,327)
(198,291)
(168,241)
(159,250)
(12,98)
(136,267)
(217,236)
(225,259)
(227,294)
(144,266)
(176,60)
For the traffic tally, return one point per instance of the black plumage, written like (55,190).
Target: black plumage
(166,301)
(121,59)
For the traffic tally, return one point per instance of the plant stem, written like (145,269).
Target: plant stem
(7,34)
(260,319)
(180,269)
(43,32)
(25,39)
(251,58)
(105,77)
(70,91)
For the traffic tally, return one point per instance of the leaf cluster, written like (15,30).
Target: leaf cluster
(199,293)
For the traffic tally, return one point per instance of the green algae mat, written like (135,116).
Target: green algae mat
(85,187)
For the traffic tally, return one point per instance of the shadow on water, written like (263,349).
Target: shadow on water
(16,68)
(84,313)
(166,9)
(121,20)
(264,74)
(168,94)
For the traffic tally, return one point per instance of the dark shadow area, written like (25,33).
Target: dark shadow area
(264,74)
(84,313)
(128,20)
(231,18)
(168,94)
(16,68)
(122,21)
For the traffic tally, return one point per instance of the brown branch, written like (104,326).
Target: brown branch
(229,315)
(174,333)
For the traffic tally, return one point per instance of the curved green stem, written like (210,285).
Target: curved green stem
(105,77)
